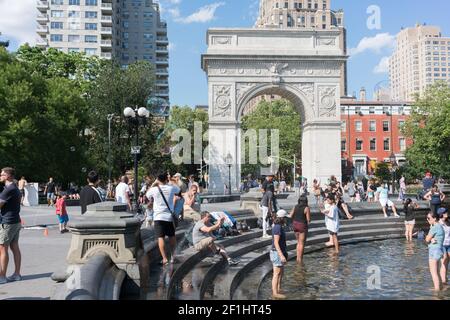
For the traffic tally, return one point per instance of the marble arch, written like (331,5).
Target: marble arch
(300,65)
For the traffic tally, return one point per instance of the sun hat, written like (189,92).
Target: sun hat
(282,213)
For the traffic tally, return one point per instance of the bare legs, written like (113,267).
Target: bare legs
(434,270)
(301,239)
(17,256)
(409,232)
(4,260)
(276,283)
(444,268)
(162,249)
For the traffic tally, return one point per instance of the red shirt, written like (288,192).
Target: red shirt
(61,207)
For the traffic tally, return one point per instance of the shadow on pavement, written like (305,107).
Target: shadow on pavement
(36,276)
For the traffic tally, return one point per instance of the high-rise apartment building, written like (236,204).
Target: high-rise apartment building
(421,57)
(126,30)
(304,14)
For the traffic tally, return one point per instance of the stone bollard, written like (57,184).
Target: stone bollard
(252,201)
(107,228)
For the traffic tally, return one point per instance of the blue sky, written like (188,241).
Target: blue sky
(188,21)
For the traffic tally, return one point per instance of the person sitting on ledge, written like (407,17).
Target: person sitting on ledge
(203,239)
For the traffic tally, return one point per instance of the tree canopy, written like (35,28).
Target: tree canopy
(429,127)
(280,115)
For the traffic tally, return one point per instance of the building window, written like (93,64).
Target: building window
(371,110)
(74,14)
(147,57)
(359,144)
(91,2)
(73,38)
(385,126)
(358,126)
(387,144)
(58,2)
(357,110)
(148,36)
(401,124)
(56,25)
(126,35)
(57,14)
(56,37)
(90,51)
(125,45)
(148,46)
(372,126)
(74,26)
(148,14)
(90,39)
(344,126)
(74,2)
(90,14)
(402,143)
(74,50)
(90,26)
(343,145)
(373,144)
(126,24)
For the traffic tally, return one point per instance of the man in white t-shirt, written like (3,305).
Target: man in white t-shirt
(383,196)
(163,206)
(123,192)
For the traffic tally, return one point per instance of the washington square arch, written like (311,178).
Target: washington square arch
(304,66)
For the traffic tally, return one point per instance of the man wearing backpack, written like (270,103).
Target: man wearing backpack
(163,214)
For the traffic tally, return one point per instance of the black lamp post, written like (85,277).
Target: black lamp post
(392,159)
(136,118)
(229,161)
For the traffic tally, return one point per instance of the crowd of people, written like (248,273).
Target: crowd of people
(167,200)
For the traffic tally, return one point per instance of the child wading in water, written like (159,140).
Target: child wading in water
(61,212)
(331,213)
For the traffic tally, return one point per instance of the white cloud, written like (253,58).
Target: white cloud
(383,66)
(375,44)
(174,12)
(202,15)
(18,20)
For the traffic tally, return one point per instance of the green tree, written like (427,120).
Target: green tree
(115,89)
(42,118)
(281,115)
(183,118)
(429,128)
(382,172)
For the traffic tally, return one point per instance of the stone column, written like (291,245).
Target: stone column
(321,154)
(223,140)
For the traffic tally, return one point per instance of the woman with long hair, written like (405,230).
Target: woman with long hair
(278,253)
(435,238)
(410,218)
(301,217)
(443,220)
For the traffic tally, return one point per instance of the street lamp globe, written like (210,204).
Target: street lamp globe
(129,113)
(229,159)
(143,112)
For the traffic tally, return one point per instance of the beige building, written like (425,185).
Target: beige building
(126,30)
(421,57)
(304,14)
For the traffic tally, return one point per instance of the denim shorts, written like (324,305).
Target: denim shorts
(446,249)
(276,259)
(435,253)
(63,218)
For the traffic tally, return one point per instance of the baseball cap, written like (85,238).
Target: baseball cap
(282,213)
(442,211)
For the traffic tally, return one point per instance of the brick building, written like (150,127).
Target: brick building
(371,132)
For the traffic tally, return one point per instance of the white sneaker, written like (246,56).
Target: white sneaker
(266,236)
(15,277)
(232,262)
(3,280)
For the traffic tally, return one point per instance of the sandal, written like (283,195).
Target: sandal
(162,263)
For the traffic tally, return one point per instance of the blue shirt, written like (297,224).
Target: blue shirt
(278,230)
(11,197)
(437,231)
